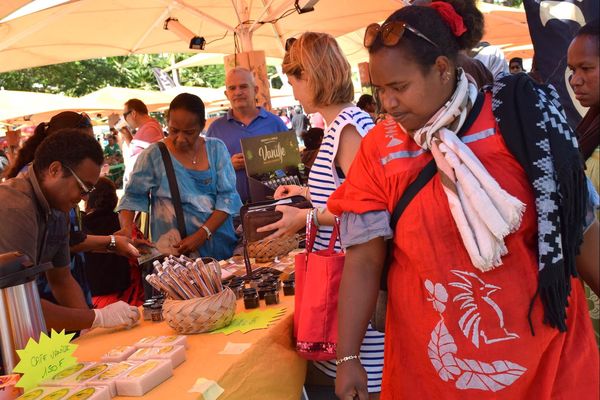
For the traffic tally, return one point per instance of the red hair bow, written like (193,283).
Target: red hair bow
(450,16)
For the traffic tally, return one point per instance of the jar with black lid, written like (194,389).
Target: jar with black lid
(289,287)
(263,287)
(271,296)
(250,298)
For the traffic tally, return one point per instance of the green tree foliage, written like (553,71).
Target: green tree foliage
(82,77)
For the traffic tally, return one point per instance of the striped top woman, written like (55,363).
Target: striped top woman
(321,79)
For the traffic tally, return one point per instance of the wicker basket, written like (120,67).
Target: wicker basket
(267,250)
(202,314)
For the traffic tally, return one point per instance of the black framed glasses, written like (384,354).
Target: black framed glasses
(391,32)
(289,42)
(85,190)
(126,113)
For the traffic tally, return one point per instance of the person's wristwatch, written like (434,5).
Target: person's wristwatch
(112,245)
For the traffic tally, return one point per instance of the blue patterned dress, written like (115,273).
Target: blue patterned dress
(202,192)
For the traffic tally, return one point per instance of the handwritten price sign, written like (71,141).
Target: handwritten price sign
(40,361)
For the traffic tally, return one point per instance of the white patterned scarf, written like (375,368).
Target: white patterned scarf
(484,213)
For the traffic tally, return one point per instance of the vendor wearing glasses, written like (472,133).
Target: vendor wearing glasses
(34,222)
(482,297)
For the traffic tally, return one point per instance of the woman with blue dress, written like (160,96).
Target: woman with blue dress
(206,182)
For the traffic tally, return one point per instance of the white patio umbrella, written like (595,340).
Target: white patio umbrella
(113,98)
(506,27)
(83,29)
(18,106)
(201,59)
(7,7)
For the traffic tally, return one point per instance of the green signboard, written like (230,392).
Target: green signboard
(267,154)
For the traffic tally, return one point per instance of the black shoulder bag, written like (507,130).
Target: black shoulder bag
(175,197)
(379,314)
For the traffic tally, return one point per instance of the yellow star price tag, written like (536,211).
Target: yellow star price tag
(42,360)
(248,321)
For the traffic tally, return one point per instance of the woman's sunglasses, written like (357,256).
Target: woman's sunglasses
(391,32)
(289,42)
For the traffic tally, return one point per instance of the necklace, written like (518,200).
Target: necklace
(195,158)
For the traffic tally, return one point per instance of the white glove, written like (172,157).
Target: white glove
(119,314)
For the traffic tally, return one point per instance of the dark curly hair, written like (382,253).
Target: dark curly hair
(63,120)
(68,146)
(429,22)
(104,197)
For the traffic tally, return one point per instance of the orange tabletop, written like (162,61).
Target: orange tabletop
(269,369)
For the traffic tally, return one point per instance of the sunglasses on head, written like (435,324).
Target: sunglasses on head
(391,32)
(289,42)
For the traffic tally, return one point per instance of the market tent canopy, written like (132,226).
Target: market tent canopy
(84,29)
(212,59)
(113,98)
(505,27)
(17,107)
(7,7)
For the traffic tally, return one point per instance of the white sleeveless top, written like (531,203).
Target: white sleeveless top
(323,180)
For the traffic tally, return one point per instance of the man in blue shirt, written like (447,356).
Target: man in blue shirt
(243,120)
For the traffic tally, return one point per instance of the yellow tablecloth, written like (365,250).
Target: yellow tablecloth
(269,369)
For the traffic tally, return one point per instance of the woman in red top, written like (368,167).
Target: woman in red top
(482,299)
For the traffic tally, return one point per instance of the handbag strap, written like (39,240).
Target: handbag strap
(175,197)
(411,191)
(311,233)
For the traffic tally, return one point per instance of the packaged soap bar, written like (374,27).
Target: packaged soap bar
(118,354)
(89,393)
(143,378)
(83,375)
(109,377)
(46,392)
(174,353)
(174,340)
(66,377)
(146,341)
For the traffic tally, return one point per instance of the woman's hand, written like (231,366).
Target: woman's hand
(125,248)
(289,190)
(141,244)
(192,242)
(351,381)
(293,219)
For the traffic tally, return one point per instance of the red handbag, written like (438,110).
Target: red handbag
(318,276)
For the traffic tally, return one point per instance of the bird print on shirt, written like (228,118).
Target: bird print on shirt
(483,319)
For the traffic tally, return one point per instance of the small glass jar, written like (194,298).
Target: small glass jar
(289,287)
(255,281)
(274,282)
(236,288)
(250,298)
(156,312)
(147,310)
(271,296)
(263,288)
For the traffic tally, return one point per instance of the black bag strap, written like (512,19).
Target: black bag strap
(175,197)
(420,181)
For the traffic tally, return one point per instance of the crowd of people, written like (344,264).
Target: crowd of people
(490,269)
